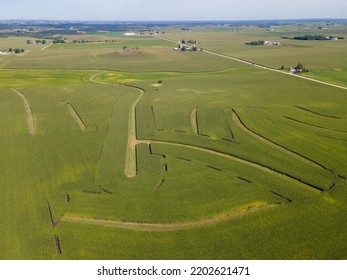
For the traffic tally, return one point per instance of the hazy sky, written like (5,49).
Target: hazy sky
(171,9)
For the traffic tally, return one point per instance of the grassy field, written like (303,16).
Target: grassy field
(232,161)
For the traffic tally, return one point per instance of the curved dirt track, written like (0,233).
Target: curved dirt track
(29,112)
(168,226)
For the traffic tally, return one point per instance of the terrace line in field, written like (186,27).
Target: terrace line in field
(194,120)
(76,117)
(29,112)
(246,210)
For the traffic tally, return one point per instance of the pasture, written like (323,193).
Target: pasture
(228,161)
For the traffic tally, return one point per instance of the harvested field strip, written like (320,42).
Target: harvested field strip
(313,125)
(214,168)
(57,245)
(241,125)
(153,114)
(316,113)
(50,213)
(231,132)
(160,183)
(130,169)
(241,160)
(334,138)
(29,112)
(194,121)
(185,159)
(245,180)
(169,226)
(286,198)
(104,190)
(76,117)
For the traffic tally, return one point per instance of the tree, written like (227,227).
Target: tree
(300,66)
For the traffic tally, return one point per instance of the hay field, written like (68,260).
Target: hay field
(229,161)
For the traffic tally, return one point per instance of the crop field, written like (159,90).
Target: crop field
(149,153)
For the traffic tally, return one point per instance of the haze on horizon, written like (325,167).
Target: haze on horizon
(157,10)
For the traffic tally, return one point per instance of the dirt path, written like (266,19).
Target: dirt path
(130,169)
(168,226)
(29,112)
(46,47)
(194,121)
(76,117)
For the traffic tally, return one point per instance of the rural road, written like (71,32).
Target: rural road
(262,66)
(274,70)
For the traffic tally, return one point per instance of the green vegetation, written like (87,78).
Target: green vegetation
(315,37)
(232,161)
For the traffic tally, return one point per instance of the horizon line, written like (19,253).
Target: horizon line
(178,20)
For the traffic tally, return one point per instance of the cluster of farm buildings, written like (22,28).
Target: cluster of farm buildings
(272,43)
(182,46)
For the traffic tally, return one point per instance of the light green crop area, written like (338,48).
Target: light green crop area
(231,161)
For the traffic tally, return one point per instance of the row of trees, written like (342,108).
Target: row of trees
(314,38)
(299,68)
(37,42)
(256,43)
(16,50)
(58,41)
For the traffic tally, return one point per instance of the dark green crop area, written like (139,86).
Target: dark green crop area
(152,153)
